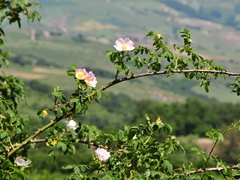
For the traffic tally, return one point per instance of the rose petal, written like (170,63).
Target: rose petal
(126,40)
(119,48)
(119,42)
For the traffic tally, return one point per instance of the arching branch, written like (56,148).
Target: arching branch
(166,72)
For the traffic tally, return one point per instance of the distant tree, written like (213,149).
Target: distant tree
(80,38)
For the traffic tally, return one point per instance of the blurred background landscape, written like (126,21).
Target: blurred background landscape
(79,32)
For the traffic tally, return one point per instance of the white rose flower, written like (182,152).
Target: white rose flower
(22,162)
(135,136)
(72,125)
(102,154)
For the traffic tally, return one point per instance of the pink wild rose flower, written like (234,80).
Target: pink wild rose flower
(81,73)
(102,154)
(91,79)
(124,44)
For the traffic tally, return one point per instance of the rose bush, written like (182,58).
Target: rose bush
(133,152)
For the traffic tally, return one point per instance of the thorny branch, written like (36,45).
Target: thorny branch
(166,72)
(212,169)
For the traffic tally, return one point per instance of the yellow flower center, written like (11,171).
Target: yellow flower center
(159,121)
(54,142)
(159,35)
(45,113)
(88,79)
(124,47)
(80,75)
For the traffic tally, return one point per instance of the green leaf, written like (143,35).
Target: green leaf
(73,66)
(107,177)
(40,114)
(6,164)
(74,100)
(153,150)
(52,153)
(105,94)
(99,94)
(73,149)
(166,128)
(62,145)
(109,53)
(167,165)
(11,113)
(83,168)
(32,15)
(191,75)
(237,176)
(220,137)
(131,134)
(150,33)
(77,170)
(71,72)
(224,76)
(3,134)
(20,174)
(2,32)
(68,167)
(136,51)
(34,4)
(110,137)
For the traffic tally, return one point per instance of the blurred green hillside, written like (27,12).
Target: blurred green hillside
(73,31)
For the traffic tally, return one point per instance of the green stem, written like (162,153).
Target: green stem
(117,74)
(35,134)
(216,141)
(176,60)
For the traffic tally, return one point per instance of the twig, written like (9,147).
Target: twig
(224,176)
(35,134)
(76,140)
(212,169)
(166,72)
(216,141)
